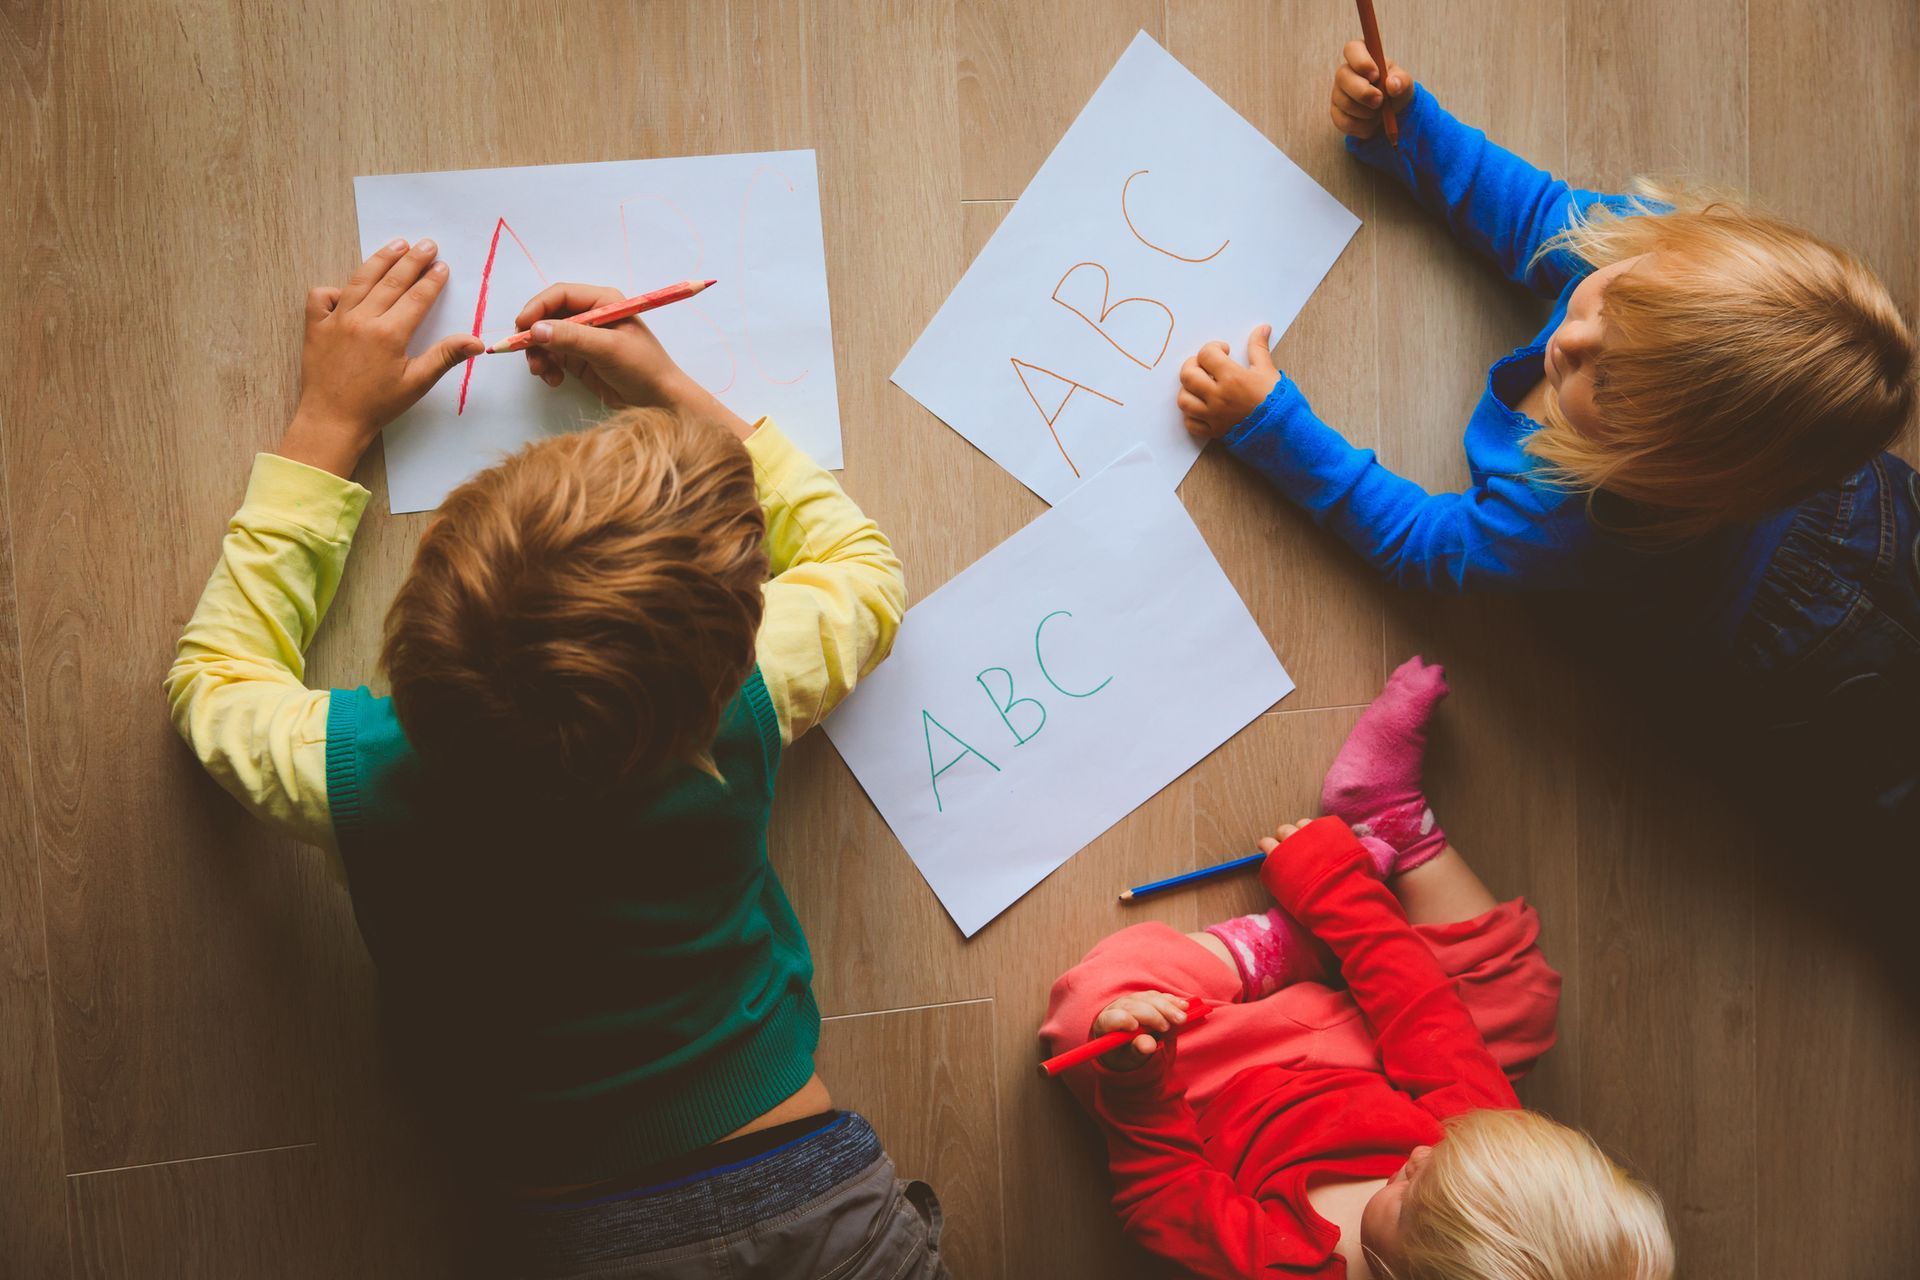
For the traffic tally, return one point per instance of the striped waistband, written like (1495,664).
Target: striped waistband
(556,1236)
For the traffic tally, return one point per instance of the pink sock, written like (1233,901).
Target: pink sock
(1374,783)
(1271,950)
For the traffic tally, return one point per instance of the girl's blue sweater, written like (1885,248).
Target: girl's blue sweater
(1511,529)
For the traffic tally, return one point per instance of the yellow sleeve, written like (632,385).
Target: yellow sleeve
(236,688)
(836,592)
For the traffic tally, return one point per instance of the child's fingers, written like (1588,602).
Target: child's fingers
(1144,1046)
(1360,60)
(432,364)
(400,277)
(1190,405)
(1193,378)
(565,299)
(1215,358)
(1398,81)
(321,302)
(1353,94)
(414,304)
(1115,1017)
(369,272)
(1268,844)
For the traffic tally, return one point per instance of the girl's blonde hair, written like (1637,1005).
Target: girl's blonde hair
(1510,1195)
(1748,366)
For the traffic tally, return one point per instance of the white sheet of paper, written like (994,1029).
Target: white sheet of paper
(760,339)
(1052,688)
(1161,221)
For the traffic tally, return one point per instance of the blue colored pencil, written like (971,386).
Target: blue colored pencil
(1204,873)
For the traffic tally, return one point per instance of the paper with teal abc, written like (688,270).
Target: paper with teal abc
(1162,221)
(1107,637)
(760,339)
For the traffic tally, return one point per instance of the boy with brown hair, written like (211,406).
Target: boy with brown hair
(554,831)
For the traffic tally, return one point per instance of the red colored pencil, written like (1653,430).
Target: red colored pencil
(613,311)
(1197,1010)
(1370,32)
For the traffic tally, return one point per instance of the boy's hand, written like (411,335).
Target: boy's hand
(1356,92)
(622,363)
(1216,392)
(355,374)
(1141,1011)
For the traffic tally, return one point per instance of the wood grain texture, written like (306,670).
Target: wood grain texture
(33,1216)
(255,1214)
(924,1079)
(1674,106)
(1024,73)
(33,1212)
(1667,938)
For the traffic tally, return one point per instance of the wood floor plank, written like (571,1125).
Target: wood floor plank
(257,1214)
(1837,1107)
(33,1214)
(1673,107)
(1314,600)
(1667,1062)
(1843,168)
(1024,73)
(924,1079)
(33,1211)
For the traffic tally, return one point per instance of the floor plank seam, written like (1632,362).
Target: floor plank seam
(218,1155)
(906,1008)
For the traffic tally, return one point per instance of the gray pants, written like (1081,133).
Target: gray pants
(828,1207)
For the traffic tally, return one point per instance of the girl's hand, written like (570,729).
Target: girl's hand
(355,374)
(1356,92)
(1142,1011)
(1216,393)
(1286,829)
(622,363)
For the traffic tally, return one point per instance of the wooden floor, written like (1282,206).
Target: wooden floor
(190,1083)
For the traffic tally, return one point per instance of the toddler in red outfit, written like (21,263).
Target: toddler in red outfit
(1364,1131)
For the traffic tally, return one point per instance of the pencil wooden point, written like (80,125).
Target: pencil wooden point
(1126,895)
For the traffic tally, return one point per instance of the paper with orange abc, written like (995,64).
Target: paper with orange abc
(1162,220)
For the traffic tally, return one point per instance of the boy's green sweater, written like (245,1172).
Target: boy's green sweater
(573,995)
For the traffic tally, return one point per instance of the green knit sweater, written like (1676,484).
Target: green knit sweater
(573,995)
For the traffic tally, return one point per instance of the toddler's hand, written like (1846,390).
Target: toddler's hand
(1286,829)
(1356,95)
(622,363)
(1216,392)
(355,374)
(1141,1011)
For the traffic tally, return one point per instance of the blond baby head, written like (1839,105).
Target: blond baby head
(1718,364)
(578,616)
(1510,1195)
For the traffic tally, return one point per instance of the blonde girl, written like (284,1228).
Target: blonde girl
(1694,437)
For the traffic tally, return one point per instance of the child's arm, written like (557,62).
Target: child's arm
(1172,1201)
(1428,1044)
(837,594)
(1490,198)
(235,689)
(837,591)
(1494,535)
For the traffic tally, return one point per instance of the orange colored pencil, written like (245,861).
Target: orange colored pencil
(1370,32)
(613,311)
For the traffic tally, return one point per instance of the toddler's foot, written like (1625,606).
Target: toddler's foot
(1271,950)
(1374,784)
